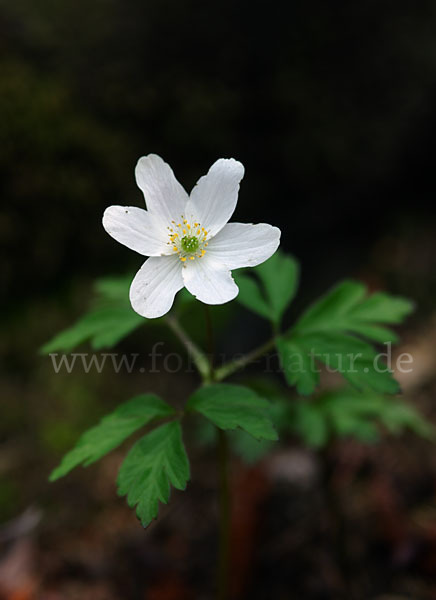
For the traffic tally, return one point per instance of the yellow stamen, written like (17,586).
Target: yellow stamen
(177,241)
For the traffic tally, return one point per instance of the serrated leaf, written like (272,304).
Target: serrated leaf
(298,367)
(376,333)
(112,430)
(156,461)
(347,412)
(244,445)
(231,406)
(103,327)
(331,331)
(347,308)
(352,357)
(350,412)
(329,311)
(382,308)
(273,289)
(110,319)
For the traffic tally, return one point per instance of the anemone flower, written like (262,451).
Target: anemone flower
(188,238)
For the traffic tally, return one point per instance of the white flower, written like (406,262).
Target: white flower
(188,238)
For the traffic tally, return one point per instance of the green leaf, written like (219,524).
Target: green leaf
(274,288)
(353,358)
(184,299)
(330,332)
(297,365)
(247,447)
(311,424)
(347,412)
(332,307)
(402,416)
(251,296)
(103,327)
(110,320)
(156,461)
(231,406)
(347,308)
(112,430)
(279,275)
(114,289)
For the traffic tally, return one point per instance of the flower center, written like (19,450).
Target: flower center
(190,243)
(188,239)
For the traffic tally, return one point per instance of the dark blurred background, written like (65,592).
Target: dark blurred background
(331,106)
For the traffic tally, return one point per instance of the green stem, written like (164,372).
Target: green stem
(229,368)
(200,359)
(205,366)
(211,341)
(224,529)
(223,565)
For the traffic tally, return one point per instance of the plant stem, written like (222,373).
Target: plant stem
(223,564)
(211,341)
(206,368)
(200,359)
(242,362)
(224,504)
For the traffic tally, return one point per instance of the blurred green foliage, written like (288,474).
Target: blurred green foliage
(110,319)
(347,413)
(330,415)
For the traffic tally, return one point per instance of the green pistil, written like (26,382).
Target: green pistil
(189,244)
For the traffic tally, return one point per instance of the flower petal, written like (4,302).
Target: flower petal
(209,280)
(137,229)
(213,200)
(164,195)
(244,244)
(155,285)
